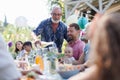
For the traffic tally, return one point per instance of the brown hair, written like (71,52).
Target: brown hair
(16,49)
(75,25)
(106,47)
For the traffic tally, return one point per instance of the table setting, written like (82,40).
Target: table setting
(46,66)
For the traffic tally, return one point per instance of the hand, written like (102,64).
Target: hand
(34,36)
(34,70)
(22,65)
(37,43)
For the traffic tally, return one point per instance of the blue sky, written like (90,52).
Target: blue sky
(33,10)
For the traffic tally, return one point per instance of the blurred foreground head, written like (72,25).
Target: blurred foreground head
(106,46)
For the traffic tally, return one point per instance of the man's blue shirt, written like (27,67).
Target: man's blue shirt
(47,34)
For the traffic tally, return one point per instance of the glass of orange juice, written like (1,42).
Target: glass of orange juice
(39,61)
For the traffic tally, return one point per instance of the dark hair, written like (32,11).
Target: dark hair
(16,49)
(106,46)
(27,43)
(75,25)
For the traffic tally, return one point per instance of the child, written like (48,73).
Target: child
(68,58)
(28,51)
(27,47)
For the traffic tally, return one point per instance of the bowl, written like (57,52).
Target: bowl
(68,74)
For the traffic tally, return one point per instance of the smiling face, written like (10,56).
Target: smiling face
(68,52)
(56,14)
(73,33)
(19,45)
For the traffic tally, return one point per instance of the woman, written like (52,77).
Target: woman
(105,48)
(18,46)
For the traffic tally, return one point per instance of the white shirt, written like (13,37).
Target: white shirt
(8,69)
(69,60)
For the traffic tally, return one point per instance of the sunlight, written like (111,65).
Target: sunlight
(33,10)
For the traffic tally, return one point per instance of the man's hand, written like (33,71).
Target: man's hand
(34,70)
(34,36)
(37,44)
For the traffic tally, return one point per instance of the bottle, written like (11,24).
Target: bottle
(57,64)
(55,49)
(46,64)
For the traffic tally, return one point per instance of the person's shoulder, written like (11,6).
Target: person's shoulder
(81,43)
(63,24)
(45,20)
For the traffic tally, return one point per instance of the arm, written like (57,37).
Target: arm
(88,74)
(39,29)
(37,32)
(80,61)
(81,52)
(34,70)
(88,63)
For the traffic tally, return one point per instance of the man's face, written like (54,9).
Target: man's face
(56,15)
(72,33)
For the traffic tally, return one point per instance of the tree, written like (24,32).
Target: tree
(5,21)
(12,34)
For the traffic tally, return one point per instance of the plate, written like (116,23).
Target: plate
(68,74)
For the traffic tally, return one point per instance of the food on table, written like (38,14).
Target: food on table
(68,67)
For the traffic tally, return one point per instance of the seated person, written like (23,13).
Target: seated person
(105,50)
(28,55)
(18,47)
(85,55)
(68,57)
(27,50)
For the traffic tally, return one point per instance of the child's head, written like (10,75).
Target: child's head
(68,51)
(27,46)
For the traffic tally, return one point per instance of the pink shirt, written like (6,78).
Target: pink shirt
(78,47)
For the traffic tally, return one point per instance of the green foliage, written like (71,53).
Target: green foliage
(13,34)
(59,56)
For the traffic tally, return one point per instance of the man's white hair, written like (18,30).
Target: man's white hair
(55,7)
